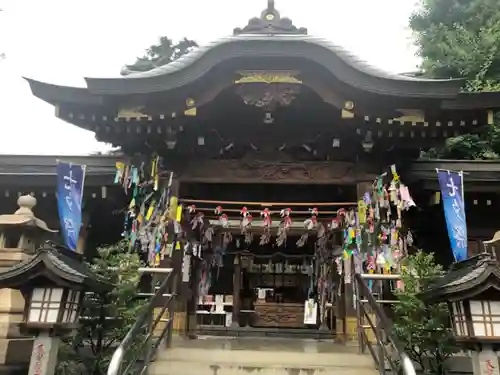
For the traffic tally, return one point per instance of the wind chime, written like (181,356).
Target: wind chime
(267,223)
(246,224)
(283,229)
(310,224)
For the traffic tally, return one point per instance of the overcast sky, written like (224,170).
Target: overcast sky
(62,41)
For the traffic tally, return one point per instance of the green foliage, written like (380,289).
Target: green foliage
(162,53)
(483,146)
(106,318)
(467,147)
(459,39)
(423,329)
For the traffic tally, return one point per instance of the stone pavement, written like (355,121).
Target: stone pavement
(262,356)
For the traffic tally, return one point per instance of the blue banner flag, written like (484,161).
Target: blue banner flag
(452,193)
(70,179)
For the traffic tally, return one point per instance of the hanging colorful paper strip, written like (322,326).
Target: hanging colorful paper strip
(374,230)
(149,210)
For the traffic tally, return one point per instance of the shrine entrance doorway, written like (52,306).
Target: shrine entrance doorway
(269,267)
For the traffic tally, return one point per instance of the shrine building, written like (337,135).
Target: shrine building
(272,118)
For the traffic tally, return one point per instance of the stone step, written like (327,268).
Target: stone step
(261,357)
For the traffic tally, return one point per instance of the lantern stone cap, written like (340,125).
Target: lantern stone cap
(56,265)
(495,239)
(24,216)
(466,279)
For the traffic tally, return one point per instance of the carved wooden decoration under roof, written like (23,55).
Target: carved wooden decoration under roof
(270,23)
(268,89)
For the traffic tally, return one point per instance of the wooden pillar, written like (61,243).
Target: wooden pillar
(236,292)
(350,320)
(175,262)
(192,304)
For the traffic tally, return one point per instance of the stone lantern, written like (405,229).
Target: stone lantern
(472,290)
(53,283)
(20,234)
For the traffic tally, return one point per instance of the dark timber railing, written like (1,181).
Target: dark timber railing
(389,352)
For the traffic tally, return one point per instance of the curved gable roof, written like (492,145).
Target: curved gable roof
(344,65)
(271,35)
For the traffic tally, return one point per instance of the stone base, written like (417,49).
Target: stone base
(16,352)
(14,370)
(14,348)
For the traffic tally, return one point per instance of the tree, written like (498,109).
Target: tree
(424,329)
(162,53)
(106,318)
(459,39)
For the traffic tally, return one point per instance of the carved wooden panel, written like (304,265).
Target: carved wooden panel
(247,171)
(286,315)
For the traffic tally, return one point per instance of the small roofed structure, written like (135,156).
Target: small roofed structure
(53,284)
(466,279)
(472,290)
(56,264)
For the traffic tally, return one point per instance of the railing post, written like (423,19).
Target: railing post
(173,291)
(359,317)
(381,355)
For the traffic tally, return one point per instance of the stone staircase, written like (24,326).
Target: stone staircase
(261,356)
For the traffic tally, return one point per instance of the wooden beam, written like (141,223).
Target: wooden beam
(271,204)
(257,171)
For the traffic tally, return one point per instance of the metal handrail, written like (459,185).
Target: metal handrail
(382,330)
(143,325)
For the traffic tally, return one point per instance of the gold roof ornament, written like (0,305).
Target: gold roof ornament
(410,115)
(24,215)
(131,113)
(268,77)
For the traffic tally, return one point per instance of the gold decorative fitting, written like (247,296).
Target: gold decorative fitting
(190,112)
(347,114)
(349,105)
(411,115)
(190,102)
(131,113)
(268,77)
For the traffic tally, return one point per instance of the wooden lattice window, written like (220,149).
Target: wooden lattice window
(485,316)
(459,319)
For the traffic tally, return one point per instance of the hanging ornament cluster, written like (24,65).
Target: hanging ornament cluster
(374,230)
(199,233)
(267,223)
(284,227)
(223,219)
(313,224)
(150,208)
(245,225)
